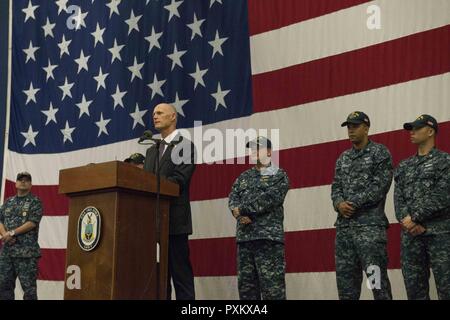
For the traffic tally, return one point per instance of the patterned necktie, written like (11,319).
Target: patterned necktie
(161,150)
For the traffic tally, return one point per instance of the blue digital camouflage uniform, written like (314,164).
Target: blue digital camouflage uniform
(422,190)
(21,258)
(362,177)
(260,244)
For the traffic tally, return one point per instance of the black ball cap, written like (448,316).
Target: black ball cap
(422,121)
(136,158)
(23,175)
(260,142)
(356,117)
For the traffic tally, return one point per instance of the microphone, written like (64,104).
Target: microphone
(147,135)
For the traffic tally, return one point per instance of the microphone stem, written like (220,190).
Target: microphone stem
(157,216)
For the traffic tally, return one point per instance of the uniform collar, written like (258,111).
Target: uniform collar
(430,154)
(23,197)
(267,171)
(357,152)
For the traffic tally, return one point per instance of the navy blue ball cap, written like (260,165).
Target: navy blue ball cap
(136,158)
(422,121)
(22,175)
(259,142)
(356,117)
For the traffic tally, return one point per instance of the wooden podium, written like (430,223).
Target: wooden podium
(123,265)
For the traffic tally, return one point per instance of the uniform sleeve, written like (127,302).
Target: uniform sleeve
(2,214)
(438,198)
(268,198)
(35,214)
(337,194)
(401,208)
(377,188)
(234,200)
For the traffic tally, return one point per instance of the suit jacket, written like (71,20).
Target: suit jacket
(180,219)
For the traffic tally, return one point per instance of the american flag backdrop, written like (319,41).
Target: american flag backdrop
(85,76)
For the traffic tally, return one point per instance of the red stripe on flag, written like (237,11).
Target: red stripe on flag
(308,166)
(266,15)
(52,264)
(417,56)
(313,251)
(306,251)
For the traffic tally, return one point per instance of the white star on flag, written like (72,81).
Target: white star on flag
(118,98)
(31,93)
(82,62)
(66,87)
(30,136)
(98,35)
(135,70)
(64,46)
(50,114)
(217,44)
(115,51)
(48,29)
(84,106)
(153,39)
(79,18)
(173,9)
(198,76)
(133,22)
(176,57)
(113,7)
(137,116)
(29,11)
(178,104)
(195,27)
(49,70)
(214,1)
(156,85)
(62,6)
(220,96)
(101,124)
(30,52)
(100,78)
(67,133)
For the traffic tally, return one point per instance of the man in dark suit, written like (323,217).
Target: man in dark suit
(177,164)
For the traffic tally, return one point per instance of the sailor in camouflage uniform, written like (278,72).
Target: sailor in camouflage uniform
(19,227)
(362,179)
(422,206)
(256,201)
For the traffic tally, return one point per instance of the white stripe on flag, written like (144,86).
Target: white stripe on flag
(407,99)
(53,232)
(305,209)
(344,31)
